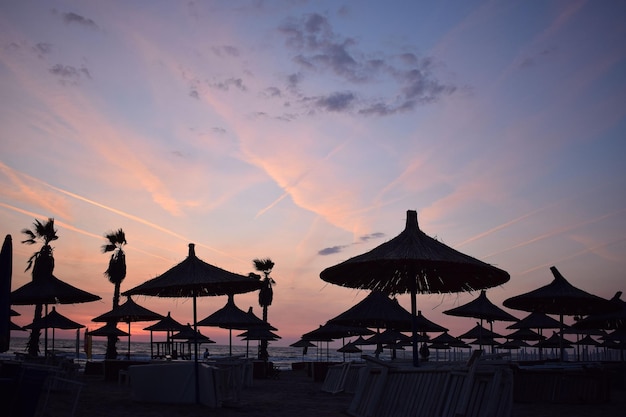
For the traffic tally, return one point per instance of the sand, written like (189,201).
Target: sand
(293,394)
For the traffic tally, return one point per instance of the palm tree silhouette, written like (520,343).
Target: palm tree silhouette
(42,264)
(116,272)
(266,295)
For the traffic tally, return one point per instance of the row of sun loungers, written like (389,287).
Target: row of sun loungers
(384,389)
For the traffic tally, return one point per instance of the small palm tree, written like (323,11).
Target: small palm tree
(116,272)
(266,294)
(42,264)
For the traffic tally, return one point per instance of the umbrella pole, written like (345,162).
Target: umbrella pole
(230,342)
(195,347)
(416,360)
(128,340)
(151,347)
(561,338)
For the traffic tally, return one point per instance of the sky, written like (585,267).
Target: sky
(302,131)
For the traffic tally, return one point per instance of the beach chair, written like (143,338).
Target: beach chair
(61,397)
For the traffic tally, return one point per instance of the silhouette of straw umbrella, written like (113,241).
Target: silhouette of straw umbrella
(560,298)
(413,262)
(193,278)
(232,317)
(54,320)
(128,312)
(481,308)
(168,325)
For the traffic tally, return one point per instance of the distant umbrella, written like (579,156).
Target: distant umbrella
(479,331)
(481,308)
(54,320)
(304,344)
(554,341)
(376,310)
(6,271)
(128,312)
(331,331)
(413,262)
(562,298)
(232,317)
(587,341)
(525,334)
(445,338)
(536,320)
(513,344)
(109,329)
(166,324)
(608,321)
(349,348)
(259,334)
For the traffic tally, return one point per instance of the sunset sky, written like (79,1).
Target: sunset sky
(303,131)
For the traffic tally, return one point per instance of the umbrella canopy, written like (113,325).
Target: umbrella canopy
(109,329)
(413,262)
(6,272)
(478,332)
(513,344)
(390,336)
(426,326)
(608,321)
(587,341)
(54,320)
(536,320)
(525,334)
(481,308)
(331,331)
(376,310)
(260,333)
(195,278)
(562,298)
(349,348)
(50,291)
(554,341)
(128,312)
(447,339)
(302,343)
(232,317)
(189,334)
(166,324)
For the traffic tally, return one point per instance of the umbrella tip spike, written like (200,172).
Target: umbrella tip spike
(192,249)
(411,219)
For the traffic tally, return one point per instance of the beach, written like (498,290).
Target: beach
(292,394)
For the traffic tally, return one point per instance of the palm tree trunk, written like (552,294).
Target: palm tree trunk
(33,341)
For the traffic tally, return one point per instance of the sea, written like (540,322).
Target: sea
(281,356)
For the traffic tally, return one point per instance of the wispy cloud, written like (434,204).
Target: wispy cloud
(320,50)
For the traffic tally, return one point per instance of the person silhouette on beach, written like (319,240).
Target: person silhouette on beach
(206,353)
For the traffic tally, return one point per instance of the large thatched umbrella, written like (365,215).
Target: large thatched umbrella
(6,270)
(481,308)
(54,320)
(193,278)
(413,262)
(109,329)
(560,298)
(128,312)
